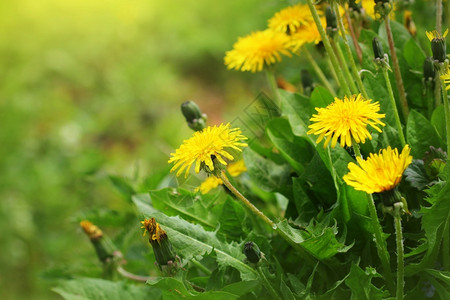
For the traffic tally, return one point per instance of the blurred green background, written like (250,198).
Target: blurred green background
(93,88)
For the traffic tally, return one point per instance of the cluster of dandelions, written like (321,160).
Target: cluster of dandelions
(287,32)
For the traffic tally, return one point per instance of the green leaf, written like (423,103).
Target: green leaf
(376,90)
(359,281)
(296,150)
(321,245)
(416,174)
(173,288)
(414,55)
(99,289)
(438,121)
(122,186)
(190,241)
(305,207)
(190,206)
(297,109)
(241,288)
(232,219)
(420,134)
(268,175)
(320,97)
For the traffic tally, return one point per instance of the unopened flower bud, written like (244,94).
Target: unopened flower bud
(331,19)
(382,8)
(438,45)
(95,235)
(378,51)
(194,117)
(252,252)
(160,243)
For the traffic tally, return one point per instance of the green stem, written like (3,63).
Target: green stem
(308,258)
(437,90)
(348,51)
(330,66)
(446,113)
(439,16)
(394,106)
(354,38)
(344,66)
(273,84)
(201,267)
(246,202)
(396,66)
(326,43)
(400,263)
(381,244)
(318,71)
(356,149)
(132,276)
(267,284)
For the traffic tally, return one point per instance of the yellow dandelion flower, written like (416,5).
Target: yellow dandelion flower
(252,52)
(289,19)
(380,172)
(154,230)
(369,7)
(305,35)
(346,119)
(436,35)
(235,169)
(212,143)
(209,184)
(92,231)
(446,78)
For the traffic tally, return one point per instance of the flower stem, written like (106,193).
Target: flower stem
(267,284)
(132,276)
(246,202)
(439,16)
(273,84)
(342,62)
(446,113)
(400,263)
(330,65)
(396,66)
(354,38)
(394,106)
(318,71)
(437,90)
(356,149)
(326,43)
(349,51)
(201,267)
(381,244)
(308,258)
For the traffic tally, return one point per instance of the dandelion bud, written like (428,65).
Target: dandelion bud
(382,8)
(160,243)
(378,51)
(429,72)
(331,19)
(252,252)
(194,117)
(438,48)
(95,235)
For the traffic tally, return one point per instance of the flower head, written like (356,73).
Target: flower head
(207,148)
(346,119)
(380,172)
(154,230)
(438,45)
(304,35)
(289,19)
(434,35)
(446,78)
(235,169)
(92,231)
(252,52)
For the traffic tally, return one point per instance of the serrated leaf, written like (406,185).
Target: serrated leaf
(190,206)
(267,174)
(359,281)
(321,246)
(297,109)
(173,288)
(99,289)
(232,219)
(416,174)
(190,240)
(420,134)
(296,150)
